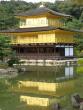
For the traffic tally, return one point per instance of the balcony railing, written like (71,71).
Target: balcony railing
(43,56)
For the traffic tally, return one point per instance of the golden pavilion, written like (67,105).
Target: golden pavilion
(40,35)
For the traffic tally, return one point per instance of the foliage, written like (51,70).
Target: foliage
(6,51)
(7,11)
(78,2)
(80,61)
(79,41)
(71,9)
(12,61)
(5,47)
(3,86)
(75,23)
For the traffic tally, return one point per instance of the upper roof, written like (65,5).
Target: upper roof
(38,29)
(40,11)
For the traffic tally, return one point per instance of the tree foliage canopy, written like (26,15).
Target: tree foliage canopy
(78,2)
(5,47)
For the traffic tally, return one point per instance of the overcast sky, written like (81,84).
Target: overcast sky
(42,0)
(38,0)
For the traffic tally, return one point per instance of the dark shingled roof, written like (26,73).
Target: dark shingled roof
(41,10)
(38,29)
(31,29)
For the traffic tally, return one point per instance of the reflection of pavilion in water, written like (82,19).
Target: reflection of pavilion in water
(43,84)
(68,73)
(50,74)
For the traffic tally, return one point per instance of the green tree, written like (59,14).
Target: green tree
(5,47)
(74,24)
(78,2)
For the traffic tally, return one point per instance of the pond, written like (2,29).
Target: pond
(40,87)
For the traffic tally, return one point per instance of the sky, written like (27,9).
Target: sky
(42,0)
(38,0)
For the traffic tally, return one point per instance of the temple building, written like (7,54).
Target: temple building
(41,35)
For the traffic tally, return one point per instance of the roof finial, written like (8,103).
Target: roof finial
(42,4)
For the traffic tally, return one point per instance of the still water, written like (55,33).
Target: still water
(40,88)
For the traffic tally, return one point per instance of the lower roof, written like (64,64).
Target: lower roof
(38,29)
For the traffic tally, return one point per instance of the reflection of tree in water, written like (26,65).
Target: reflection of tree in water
(4,84)
(9,100)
